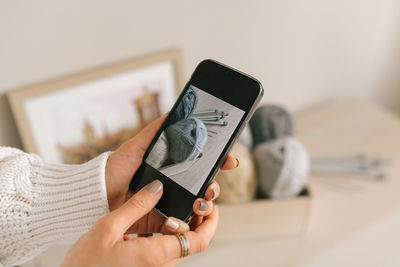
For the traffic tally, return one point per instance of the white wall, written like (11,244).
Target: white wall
(303,52)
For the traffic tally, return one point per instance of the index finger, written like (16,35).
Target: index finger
(168,246)
(230,163)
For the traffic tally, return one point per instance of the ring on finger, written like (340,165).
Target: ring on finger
(184,244)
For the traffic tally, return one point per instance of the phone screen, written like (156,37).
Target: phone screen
(191,144)
(193,138)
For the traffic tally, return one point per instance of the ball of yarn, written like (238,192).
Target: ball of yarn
(186,139)
(238,185)
(270,122)
(185,107)
(245,137)
(282,167)
(159,153)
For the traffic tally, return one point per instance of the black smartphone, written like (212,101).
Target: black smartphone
(197,135)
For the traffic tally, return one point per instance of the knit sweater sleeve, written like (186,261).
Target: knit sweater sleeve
(43,204)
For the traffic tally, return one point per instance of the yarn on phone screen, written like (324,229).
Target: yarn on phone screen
(159,152)
(238,185)
(186,139)
(270,122)
(282,166)
(185,107)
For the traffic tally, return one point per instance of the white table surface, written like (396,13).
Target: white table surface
(353,221)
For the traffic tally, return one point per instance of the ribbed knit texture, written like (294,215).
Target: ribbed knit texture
(44,204)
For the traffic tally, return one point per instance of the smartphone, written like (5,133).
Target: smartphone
(195,138)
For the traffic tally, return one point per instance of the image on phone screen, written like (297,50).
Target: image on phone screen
(194,136)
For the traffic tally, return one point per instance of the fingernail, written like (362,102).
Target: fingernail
(215,190)
(172,223)
(203,205)
(154,187)
(237,163)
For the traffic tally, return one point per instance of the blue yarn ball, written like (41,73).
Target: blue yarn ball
(186,139)
(185,107)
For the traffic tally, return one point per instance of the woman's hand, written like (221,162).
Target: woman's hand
(106,245)
(125,161)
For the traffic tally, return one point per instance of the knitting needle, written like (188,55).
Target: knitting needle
(213,118)
(205,112)
(360,162)
(366,173)
(356,158)
(205,115)
(362,159)
(341,168)
(353,165)
(216,123)
(348,166)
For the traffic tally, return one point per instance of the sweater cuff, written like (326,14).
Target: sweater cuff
(68,199)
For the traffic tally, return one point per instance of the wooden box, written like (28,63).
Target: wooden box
(263,219)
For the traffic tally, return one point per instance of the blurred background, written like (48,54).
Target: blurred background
(305,53)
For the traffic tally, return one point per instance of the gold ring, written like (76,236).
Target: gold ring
(184,245)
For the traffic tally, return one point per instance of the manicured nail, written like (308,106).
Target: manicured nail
(203,205)
(172,223)
(237,163)
(154,187)
(215,190)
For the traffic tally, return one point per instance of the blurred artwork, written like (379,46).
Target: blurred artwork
(147,109)
(74,124)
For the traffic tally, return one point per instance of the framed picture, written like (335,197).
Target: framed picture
(74,119)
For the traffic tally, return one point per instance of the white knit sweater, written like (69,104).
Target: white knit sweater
(44,204)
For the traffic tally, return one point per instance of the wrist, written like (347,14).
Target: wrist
(116,188)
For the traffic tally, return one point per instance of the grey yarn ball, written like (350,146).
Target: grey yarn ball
(186,139)
(245,137)
(159,152)
(185,107)
(270,122)
(282,166)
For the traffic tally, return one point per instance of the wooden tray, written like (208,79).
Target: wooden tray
(263,219)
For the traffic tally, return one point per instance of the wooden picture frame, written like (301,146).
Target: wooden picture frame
(28,100)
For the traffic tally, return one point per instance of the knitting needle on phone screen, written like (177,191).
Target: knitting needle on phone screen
(216,123)
(206,112)
(211,117)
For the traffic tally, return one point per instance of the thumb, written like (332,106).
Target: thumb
(138,145)
(137,206)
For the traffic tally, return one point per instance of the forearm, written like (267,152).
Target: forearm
(43,204)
